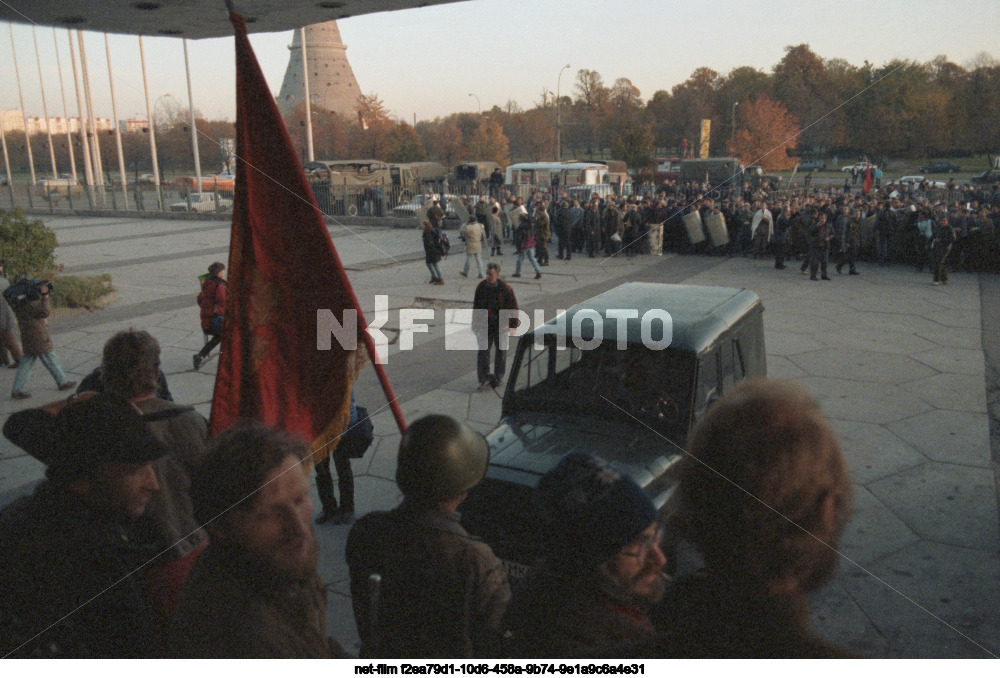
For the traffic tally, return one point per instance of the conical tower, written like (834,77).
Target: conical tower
(332,84)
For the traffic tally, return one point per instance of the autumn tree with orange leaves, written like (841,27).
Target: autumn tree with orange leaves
(764,131)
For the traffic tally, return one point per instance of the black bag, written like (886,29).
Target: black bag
(445,243)
(358,438)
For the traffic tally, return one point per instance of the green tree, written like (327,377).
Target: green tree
(690,102)
(634,143)
(370,135)
(489,142)
(405,144)
(802,83)
(26,247)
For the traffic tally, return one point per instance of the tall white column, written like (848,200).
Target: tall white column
(24,115)
(152,129)
(305,84)
(45,106)
(194,130)
(88,168)
(62,92)
(96,147)
(114,122)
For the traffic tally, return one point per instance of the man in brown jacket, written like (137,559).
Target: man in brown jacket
(32,316)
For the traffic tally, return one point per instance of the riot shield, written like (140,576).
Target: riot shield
(692,222)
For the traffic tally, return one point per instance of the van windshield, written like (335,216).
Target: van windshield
(607,383)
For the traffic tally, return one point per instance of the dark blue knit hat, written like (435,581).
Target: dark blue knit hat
(590,511)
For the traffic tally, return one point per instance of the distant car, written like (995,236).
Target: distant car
(146,180)
(812,166)
(202,202)
(860,166)
(918,179)
(987,177)
(941,168)
(409,209)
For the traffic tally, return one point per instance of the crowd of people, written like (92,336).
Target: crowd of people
(150,539)
(955,228)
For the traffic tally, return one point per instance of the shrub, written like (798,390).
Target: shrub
(79,291)
(26,247)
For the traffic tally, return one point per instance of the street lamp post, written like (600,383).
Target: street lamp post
(732,125)
(559,116)
(478,105)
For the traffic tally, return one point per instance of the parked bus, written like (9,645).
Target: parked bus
(555,176)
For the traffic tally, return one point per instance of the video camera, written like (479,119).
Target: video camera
(24,291)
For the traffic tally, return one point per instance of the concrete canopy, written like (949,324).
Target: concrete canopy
(192,18)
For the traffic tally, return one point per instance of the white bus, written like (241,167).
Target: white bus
(589,177)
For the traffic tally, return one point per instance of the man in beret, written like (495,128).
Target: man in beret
(601,566)
(70,586)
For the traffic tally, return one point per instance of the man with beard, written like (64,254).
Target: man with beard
(254,593)
(764,496)
(70,586)
(601,566)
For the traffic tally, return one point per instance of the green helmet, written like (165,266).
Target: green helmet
(440,457)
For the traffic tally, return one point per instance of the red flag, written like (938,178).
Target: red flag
(868,179)
(282,268)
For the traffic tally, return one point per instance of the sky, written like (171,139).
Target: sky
(426,62)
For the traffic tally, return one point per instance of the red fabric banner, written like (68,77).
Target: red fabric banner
(282,268)
(868,179)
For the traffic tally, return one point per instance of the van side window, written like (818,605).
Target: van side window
(740,366)
(728,368)
(708,382)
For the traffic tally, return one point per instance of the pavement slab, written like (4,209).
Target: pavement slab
(945,503)
(964,392)
(858,401)
(860,365)
(948,436)
(873,531)
(956,360)
(872,451)
(925,601)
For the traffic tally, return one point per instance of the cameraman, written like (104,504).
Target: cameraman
(32,316)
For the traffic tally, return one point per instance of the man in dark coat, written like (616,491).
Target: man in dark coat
(592,227)
(764,497)
(493,296)
(255,592)
(443,592)
(601,568)
(35,342)
(69,586)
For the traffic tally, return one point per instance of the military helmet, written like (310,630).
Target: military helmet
(440,457)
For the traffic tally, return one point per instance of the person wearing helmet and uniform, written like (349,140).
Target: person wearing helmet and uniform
(443,592)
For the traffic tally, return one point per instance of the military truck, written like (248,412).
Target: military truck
(716,171)
(592,380)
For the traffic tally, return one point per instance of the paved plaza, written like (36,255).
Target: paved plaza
(908,373)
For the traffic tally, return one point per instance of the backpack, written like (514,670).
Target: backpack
(445,243)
